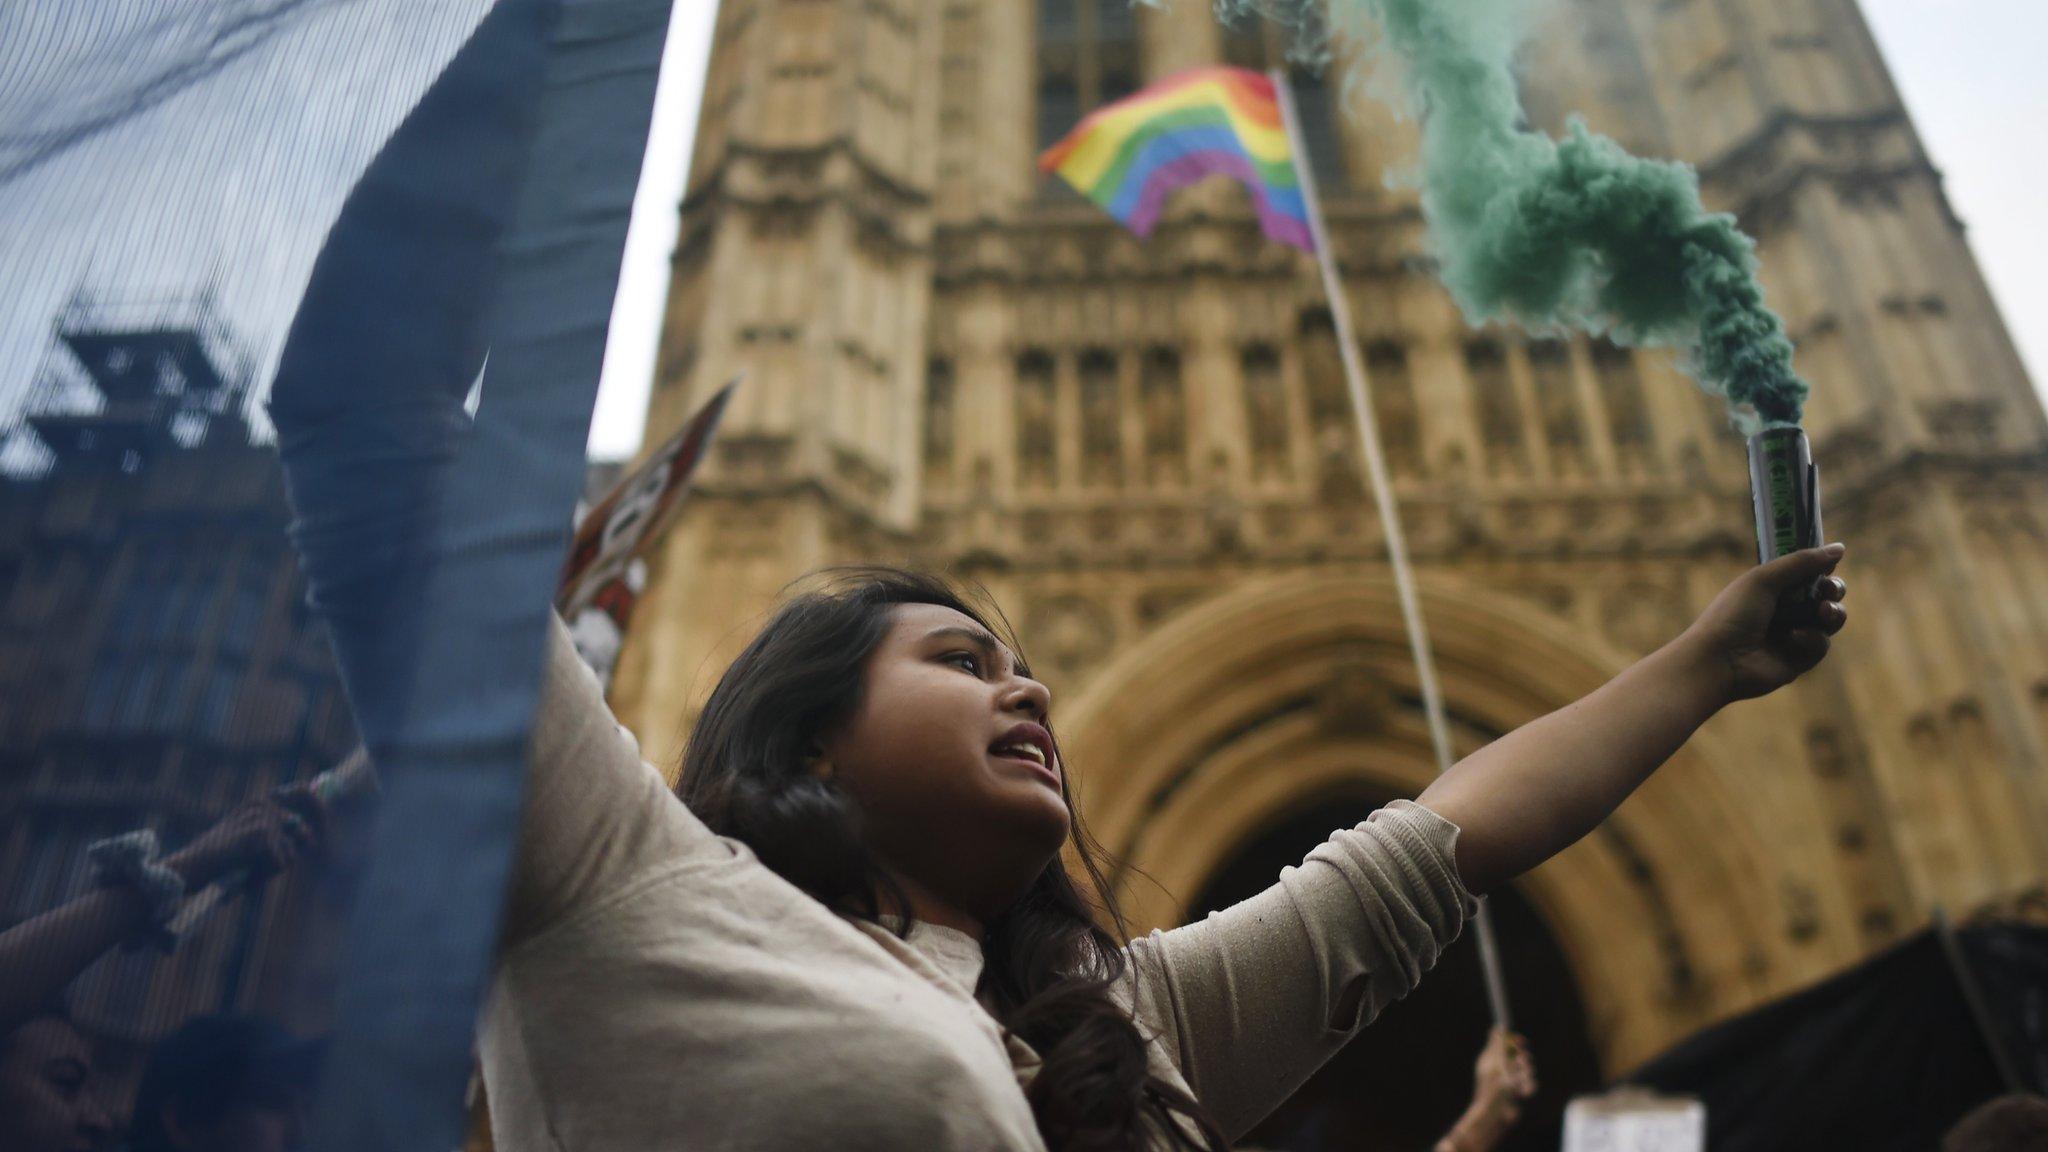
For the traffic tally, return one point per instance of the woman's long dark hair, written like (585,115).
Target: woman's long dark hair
(1049,963)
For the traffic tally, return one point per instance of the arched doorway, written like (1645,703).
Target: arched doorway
(1406,1078)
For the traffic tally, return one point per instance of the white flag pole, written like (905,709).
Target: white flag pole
(1383,499)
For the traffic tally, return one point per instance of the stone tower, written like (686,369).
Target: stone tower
(1143,451)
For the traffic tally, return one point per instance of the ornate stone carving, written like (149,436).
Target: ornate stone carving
(1070,632)
(1550,596)
(1966,423)
(1682,985)
(747,530)
(1352,699)
(1801,904)
(1157,604)
(1339,479)
(1641,617)
(1222,511)
(1825,752)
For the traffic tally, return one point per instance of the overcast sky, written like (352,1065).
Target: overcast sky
(1971,72)
(296,119)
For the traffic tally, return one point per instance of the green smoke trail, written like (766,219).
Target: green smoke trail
(1553,233)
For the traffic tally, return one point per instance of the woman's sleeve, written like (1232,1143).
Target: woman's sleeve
(1253,999)
(596,813)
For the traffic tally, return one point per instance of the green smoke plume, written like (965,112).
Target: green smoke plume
(1553,233)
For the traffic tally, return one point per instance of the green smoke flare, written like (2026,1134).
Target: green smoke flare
(1553,233)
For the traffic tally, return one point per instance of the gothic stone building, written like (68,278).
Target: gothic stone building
(1143,450)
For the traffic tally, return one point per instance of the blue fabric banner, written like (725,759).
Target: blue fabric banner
(480,250)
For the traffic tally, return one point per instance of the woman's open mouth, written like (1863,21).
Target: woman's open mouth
(1029,754)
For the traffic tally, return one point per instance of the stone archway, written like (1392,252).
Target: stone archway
(1250,706)
(1406,1079)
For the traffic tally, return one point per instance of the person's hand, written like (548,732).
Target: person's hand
(260,837)
(1752,642)
(1503,1079)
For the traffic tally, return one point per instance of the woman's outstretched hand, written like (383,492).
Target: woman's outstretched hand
(1752,642)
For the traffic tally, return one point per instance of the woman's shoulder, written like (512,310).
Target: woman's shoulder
(598,816)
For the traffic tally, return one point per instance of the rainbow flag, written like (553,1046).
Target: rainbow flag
(1130,155)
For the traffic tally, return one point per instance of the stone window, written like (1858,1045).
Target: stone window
(939,402)
(1500,417)
(1101,418)
(1322,372)
(1035,407)
(1087,57)
(1628,414)
(1557,399)
(1257,44)
(1059,109)
(1265,408)
(1393,402)
(1165,413)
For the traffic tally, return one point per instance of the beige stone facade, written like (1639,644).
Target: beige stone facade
(1144,451)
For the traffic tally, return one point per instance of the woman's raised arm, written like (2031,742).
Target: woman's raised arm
(596,814)
(1253,999)
(1534,792)
(400,497)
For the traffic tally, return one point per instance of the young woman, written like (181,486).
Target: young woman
(854,925)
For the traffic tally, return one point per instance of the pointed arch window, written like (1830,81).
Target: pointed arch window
(1628,413)
(1059,24)
(1087,57)
(1165,417)
(1059,109)
(1102,409)
(1557,403)
(1265,404)
(1315,102)
(1500,415)
(939,402)
(1322,371)
(1259,44)
(1394,405)
(1035,420)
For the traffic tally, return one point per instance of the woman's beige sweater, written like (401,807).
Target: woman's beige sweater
(660,988)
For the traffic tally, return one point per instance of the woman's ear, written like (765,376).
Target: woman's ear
(818,764)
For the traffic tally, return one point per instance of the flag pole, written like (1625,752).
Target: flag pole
(1383,499)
